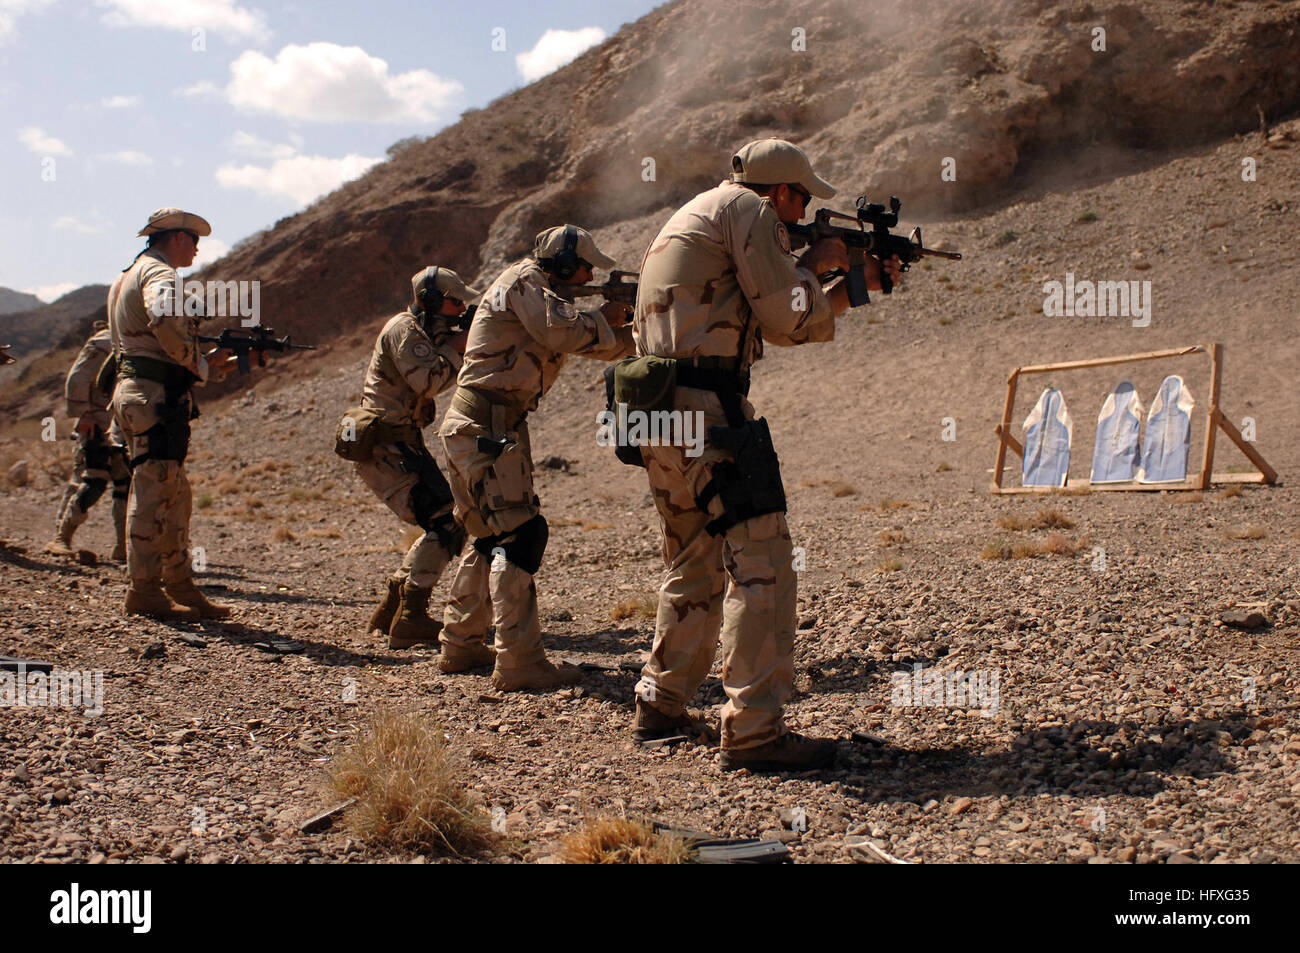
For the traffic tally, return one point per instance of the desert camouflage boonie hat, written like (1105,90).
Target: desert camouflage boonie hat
(777,162)
(446,281)
(551,242)
(166,219)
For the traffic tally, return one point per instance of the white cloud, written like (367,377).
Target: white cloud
(218,16)
(119,102)
(325,82)
(11,10)
(554,49)
(48,293)
(204,89)
(244,143)
(125,157)
(73,224)
(301,178)
(36,139)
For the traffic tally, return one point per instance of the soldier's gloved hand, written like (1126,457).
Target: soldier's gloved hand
(825,255)
(873,269)
(615,313)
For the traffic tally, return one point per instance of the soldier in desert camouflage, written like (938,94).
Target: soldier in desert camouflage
(158,363)
(522,334)
(416,357)
(99,456)
(716,283)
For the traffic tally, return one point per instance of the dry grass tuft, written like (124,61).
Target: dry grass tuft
(646,606)
(409,791)
(1046,518)
(329,532)
(890,537)
(618,840)
(203,500)
(1230,491)
(888,504)
(942,468)
(886,566)
(843,489)
(1056,544)
(1245,532)
(282,534)
(594,524)
(1187,497)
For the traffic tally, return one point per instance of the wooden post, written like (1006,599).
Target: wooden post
(1253,455)
(1005,430)
(1211,428)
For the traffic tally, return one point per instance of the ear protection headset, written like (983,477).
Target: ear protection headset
(431,296)
(565,263)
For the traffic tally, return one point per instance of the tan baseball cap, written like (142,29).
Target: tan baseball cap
(551,242)
(445,280)
(777,162)
(166,219)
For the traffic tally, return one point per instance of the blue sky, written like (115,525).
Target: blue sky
(240,110)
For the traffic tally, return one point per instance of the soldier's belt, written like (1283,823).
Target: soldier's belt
(718,374)
(176,380)
(493,415)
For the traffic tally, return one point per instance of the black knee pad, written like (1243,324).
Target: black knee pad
(90,492)
(524,546)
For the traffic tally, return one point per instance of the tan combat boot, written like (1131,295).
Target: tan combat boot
(148,598)
(790,752)
(651,725)
(540,677)
(456,658)
(411,623)
(382,617)
(61,544)
(188,594)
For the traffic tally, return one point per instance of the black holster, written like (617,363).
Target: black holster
(750,484)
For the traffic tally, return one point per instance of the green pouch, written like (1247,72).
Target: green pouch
(645,383)
(357,434)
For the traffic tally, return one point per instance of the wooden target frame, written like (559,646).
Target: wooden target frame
(1215,421)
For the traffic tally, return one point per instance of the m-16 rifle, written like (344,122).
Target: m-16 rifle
(879,241)
(619,288)
(243,341)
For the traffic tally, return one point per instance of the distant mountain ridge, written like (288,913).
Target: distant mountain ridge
(11,301)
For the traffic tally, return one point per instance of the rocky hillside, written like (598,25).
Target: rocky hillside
(11,301)
(882,93)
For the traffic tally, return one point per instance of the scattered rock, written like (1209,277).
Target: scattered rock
(17,474)
(1241,619)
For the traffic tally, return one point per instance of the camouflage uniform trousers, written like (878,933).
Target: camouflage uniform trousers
(97,460)
(742,581)
(494,495)
(427,558)
(160,502)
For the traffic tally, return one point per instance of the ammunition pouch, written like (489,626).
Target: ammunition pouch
(508,482)
(524,546)
(626,453)
(645,383)
(748,485)
(357,434)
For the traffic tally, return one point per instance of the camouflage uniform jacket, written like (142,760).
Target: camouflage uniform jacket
(147,320)
(720,261)
(408,369)
(523,332)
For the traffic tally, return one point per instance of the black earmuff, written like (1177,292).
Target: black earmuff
(431,296)
(565,263)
